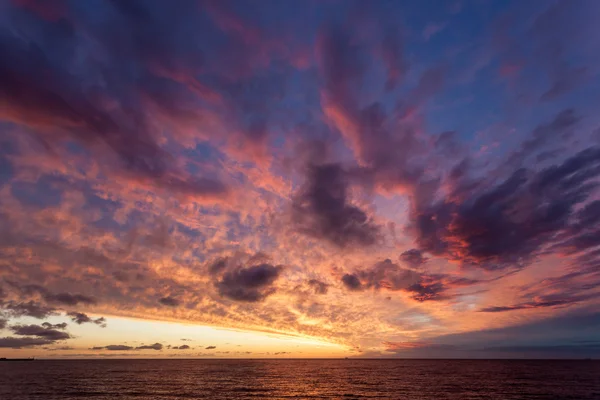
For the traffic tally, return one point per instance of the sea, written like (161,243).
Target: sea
(300,379)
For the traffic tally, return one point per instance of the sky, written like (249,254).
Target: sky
(299,178)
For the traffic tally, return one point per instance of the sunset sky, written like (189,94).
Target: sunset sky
(299,178)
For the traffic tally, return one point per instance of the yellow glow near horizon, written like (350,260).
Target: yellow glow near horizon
(133,333)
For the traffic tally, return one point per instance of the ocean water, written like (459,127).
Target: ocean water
(300,379)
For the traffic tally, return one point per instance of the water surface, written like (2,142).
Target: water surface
(300,379)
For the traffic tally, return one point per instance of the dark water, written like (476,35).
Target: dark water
(303,379)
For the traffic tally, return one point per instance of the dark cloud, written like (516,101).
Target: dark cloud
(62,325)
(40,331)
(389,276)
(506,224)
(169,301)
(250,284)
(352,282)
(28,309)
(413,257)
(3,323)
(217,266)
(322,210)
(318,286)
(182,347)
(424,292)
(18,343)
(544,301)
(590,214)
(210,347)
(69,299)
(114,347)
(155,346)
(383,275)
(494,309)
(81,318)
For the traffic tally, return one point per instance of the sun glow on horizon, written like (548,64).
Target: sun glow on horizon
(203,342)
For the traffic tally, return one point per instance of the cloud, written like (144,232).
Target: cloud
(81,318)
(217,266)
(321,209)
(384,139)
(210,347)
(155,346)
(61,348)
(69,299)
(3,323)
(61,105)
(413,257)
(318,286)
(424,292)
(182,347)
(40,331)
(28,309)
(547,338)
(114,347)
(553,132)
(62,325)
(507,224)
(392,54)
(18,343)
(400,346)
(249,284)
(169,301)
(145,153)
(352,282)
(541,303)
(386,275)
(122,347)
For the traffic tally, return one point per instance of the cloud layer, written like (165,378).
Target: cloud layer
(376,177)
